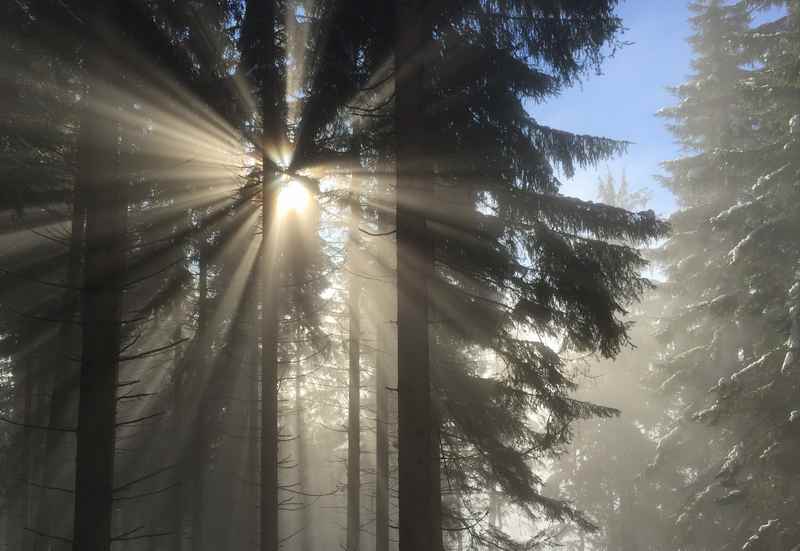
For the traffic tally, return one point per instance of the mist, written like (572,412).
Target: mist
(399,275)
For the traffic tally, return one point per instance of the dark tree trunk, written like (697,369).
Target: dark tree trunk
(354,371)
(64,377)
(251,489)
(302,457)
(382,441)
(101,317)
(178,414)
(436,477)
(260,58)
(21,488)
(385,362)
(414,270)
(201,428)
(260,52)
(269,375)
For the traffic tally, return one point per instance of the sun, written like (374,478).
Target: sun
(293,197)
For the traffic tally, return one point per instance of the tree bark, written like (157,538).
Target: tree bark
(436,477)
(384,367)
(414,270)
(251,489)
(101,317)
(262,16)
(302,458)
(200,440)
(23,394)
(64,375)
(178,413)
(259,58)
(354,365)
(382,442)
(269,375)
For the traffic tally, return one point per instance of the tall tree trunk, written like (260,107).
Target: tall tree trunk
(260,57)
(354,359)
(21,494)
(64,382)
(178,414)
(385,362)
(382,441)
(264,16)
(251,489)
(200,440)
(436,477)
(269,374)
(302,458)
(414,270)
(101,317)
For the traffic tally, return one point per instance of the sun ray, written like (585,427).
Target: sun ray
(293,198)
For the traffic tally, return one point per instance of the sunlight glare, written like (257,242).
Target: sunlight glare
(293,197)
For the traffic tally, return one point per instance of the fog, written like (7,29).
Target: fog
(399,275)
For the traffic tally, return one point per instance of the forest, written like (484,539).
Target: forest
(313,275)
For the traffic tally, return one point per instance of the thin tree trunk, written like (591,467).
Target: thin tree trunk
(302,458)
(259,57)
(24,405)
(382,442)
(64,383)
(354,371)
(266,17)
(269,377)
(178,499)
(200,445)
(251,489)
(436,478)
(414,270)
(385,362)
(101,317)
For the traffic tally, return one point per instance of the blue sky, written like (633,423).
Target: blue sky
(622,102)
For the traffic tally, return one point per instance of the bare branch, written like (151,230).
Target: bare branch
(38,427)
(143,478)
(45,535)
(140,419)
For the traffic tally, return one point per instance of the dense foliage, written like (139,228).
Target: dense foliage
(175,329)
(723,474)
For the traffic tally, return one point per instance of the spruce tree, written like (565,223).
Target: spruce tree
(512,255)
(732,274)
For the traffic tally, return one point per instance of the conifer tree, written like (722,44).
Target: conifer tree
(509,249)
(732,273)
(259,44)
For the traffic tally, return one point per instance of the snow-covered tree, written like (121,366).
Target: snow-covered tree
(728,458)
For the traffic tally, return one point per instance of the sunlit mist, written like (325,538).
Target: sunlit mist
(293,198)
(399,275)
